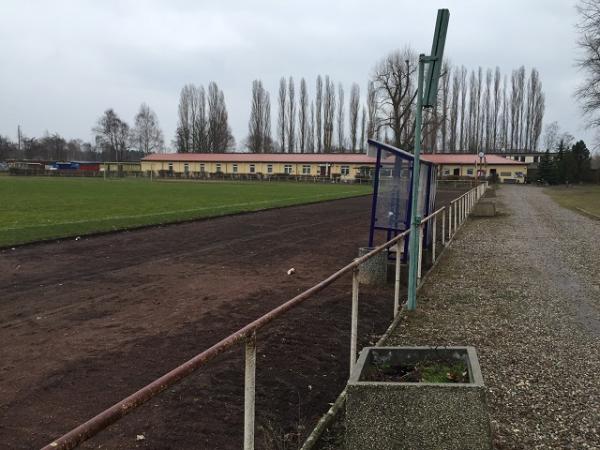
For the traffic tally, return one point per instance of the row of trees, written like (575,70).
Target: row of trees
(48,147)
(202,121)
(570,165)
(114,137)
(114,140)
(480,110)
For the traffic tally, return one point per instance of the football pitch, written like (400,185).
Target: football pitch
(39,208)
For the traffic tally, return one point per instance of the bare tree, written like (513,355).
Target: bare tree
(588,92)
(112,134)
(319,107)
(220,138)
(340,118)
(363,130)
(281,124)
(259,126)
(496,110)
(392,82)
(445,105)
(520,107)
(463,108)
(303,117)
(477,103)
(487,110)
(328,115)
(371,111)
(454,111)
(183,134)
(535,111)
(291,117)
(311,130)
(551,133)
(472,122)
(147,136)
(354,106)
(505,115)
(200,121)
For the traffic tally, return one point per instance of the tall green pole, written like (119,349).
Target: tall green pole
(415,219)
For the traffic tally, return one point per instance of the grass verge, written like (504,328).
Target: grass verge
(583,199)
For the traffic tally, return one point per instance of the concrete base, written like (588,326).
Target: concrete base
(484,208)
(374,271)
(424,416)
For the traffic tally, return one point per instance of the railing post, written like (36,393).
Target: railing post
(455,216)
(399,247)
(450,221)
(420,253)
(434,239)
(250,392)
(444,227)
(354,319)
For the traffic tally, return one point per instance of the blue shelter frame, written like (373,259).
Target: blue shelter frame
(391,205)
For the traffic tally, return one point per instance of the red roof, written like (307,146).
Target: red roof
(265,157)
(335,158)
(449,158)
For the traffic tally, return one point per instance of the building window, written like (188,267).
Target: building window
(287,169)
(469,171)
(269,168)
(345,170)
(186,168)
(234,168)
(306,170)
(218,167)
(505,174)
(536,159)
(522,159)
(446,171)
(202,168)
(252,168)
(170,167)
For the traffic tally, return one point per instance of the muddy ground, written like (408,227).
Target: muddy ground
(84,323)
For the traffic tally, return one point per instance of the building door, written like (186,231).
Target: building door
(456,172)
(323,170)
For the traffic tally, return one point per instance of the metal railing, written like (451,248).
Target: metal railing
(248,334)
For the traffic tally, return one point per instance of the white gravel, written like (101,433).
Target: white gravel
(524,289)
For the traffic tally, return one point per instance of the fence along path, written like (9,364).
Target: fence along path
(458,211)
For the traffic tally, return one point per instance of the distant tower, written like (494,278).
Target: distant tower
(19,137)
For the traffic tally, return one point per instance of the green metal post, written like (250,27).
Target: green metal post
(413,239)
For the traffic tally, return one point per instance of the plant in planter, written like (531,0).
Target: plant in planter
(417,398)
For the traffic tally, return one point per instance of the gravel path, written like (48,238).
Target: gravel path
(524,289)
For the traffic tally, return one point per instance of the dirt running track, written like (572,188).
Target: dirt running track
(85,323)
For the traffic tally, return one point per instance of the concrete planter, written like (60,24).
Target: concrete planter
(416,415)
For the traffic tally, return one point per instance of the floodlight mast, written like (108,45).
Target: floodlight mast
(427,100)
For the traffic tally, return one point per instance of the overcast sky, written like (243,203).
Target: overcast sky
(64,62)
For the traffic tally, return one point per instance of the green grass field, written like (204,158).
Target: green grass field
(578,198)
(33,208)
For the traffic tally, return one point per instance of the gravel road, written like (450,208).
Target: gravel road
(524,289)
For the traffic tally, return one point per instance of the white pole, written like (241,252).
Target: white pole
(250,392)
(450,222)
(444,227)
(354,320)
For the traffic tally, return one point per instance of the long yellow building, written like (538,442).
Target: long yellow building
(340,166)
